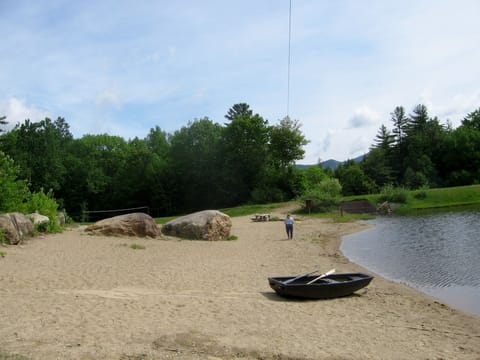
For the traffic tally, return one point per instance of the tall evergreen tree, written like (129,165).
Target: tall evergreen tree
(239,110)
(245,153)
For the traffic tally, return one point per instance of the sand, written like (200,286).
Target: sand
(77,296)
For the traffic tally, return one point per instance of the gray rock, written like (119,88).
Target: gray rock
(37,218)
(203,225)
(135,224)
(16,227)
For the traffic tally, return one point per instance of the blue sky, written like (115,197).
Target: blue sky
(124,67)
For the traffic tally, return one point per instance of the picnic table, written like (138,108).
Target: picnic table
(261,217)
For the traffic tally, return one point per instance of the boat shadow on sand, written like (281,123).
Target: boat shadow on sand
(273,296)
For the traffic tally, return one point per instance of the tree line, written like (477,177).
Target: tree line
(208,165)
(202,165)
(417,151)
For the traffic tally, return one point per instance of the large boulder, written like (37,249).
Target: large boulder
(37,218)
(15,227)
(202,225)
(135,224)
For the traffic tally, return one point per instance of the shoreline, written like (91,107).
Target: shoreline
(78,296)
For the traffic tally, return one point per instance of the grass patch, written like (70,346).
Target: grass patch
(3,254)
(137,247)
(242,210)
(252,209)
(232,237)
(416,200)
(134,246)
(422,199)
(444,197)
(5,356)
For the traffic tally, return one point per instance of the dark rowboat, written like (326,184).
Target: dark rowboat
(326,287)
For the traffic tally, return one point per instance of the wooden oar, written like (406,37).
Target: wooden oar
(299,277)
(329,272)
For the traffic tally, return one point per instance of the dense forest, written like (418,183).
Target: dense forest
(202,165)
(210,165)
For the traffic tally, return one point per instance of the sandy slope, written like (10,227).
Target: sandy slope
(76,296)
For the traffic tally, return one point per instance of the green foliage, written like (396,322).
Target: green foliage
(44,204)
(195,166)
(314,175)
(232,237)
(3,254)
(393,194)
(137,247)
(421,194)
(6,356)
(286,143)
(251,209)
(13,192)
(39,148)
(414,179)
(353,179)
(208,165)
(323,196)
(443,197)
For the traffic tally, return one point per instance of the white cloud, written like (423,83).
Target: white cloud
(108,98)
(363,117)
(17,112)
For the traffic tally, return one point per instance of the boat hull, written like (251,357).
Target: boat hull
(328,287)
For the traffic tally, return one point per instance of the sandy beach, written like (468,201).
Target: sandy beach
(78,296)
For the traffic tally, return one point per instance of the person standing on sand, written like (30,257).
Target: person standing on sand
(289,226)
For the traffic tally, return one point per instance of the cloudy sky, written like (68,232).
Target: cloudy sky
(122,67)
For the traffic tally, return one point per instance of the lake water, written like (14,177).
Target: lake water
(438,254)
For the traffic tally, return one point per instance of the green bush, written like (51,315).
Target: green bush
(324,195)
(421,194)
(46,205)
(393,194)
(13,192)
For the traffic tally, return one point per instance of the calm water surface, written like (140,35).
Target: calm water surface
(438,254)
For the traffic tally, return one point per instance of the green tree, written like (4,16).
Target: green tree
(160,182)
(14,192)
(245,155)
(376,166)
(239,110)
(424,144)
(314,175)
(384,140)
(94,163)
(461,164)
(195,165)
(472,120)
(399,121)
(286,143)
(39,148)
(353,180)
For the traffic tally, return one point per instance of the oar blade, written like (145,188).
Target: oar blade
(329,272)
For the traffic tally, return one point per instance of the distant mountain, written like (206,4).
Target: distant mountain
(331,163)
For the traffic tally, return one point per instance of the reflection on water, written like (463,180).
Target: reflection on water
(437,254)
